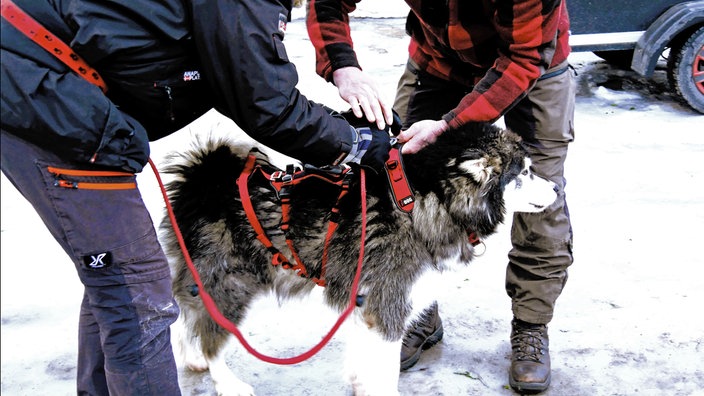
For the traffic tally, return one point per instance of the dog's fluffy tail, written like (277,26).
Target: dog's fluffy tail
(204,180)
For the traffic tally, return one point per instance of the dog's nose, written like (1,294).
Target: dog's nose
(555,188)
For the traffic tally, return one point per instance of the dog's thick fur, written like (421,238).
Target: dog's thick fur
(458,182)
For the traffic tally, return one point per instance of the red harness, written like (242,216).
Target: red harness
(400,188)
(282,182)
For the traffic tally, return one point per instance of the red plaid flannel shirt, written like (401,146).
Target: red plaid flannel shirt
(498,47)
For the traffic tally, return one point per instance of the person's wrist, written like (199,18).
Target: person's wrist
(444,126)
(351,156)
(342,73)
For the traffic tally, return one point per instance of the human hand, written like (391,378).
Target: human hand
(421,134)
(362,93)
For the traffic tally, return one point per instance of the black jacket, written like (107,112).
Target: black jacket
(165,63)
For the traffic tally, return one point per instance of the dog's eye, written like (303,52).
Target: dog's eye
(525,172)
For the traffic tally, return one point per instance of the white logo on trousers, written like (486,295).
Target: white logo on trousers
(97,261)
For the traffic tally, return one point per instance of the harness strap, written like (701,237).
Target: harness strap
(400,187)
(242,184)
(332,227)
(282,182)
(282,189)
(47,40)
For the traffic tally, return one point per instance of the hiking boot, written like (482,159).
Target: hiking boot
(530,357)
(423,334)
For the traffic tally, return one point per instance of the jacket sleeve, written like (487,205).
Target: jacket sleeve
(46,103)
(329,30)
(243,57)
(528,33)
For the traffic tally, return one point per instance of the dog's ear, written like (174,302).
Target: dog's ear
(477,168)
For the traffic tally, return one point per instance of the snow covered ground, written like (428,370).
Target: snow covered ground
(628,323)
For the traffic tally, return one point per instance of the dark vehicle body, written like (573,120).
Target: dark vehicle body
(637,34)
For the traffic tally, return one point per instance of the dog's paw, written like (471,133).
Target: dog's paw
(360,390)
(375,387)
(233,387)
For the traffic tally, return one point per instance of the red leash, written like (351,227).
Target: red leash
(220,319)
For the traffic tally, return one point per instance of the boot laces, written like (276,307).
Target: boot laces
(528,344)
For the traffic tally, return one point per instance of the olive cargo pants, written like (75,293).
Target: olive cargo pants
(542,242)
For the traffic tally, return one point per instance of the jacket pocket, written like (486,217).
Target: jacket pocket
(165,104)
(107,229)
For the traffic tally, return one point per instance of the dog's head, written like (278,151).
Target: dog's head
(480,173)
(501,162)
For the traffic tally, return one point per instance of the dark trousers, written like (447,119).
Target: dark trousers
(542,242)
(103,225)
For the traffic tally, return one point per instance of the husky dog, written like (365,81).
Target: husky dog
(463,183)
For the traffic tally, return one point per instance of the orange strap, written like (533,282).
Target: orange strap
(242,182)
(277,258)
(400,188)
(281,181)
(47,40)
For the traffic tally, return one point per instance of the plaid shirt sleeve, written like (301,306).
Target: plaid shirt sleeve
(529,30)
(515,43)
(329,31)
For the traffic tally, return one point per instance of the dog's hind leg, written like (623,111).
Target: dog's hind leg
(372,364)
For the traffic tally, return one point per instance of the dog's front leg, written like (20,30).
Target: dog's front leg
(372,364)
(186,346)
(225,381)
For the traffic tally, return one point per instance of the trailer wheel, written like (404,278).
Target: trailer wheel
(685,69)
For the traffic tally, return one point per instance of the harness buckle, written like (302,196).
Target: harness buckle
(277,175)
(279,259)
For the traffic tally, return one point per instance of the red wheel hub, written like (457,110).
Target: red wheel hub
(698,70)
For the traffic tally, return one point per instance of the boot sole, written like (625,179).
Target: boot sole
(427,344)
(529,387)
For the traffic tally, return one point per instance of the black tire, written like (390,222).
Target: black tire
(685,70)
(619,58)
